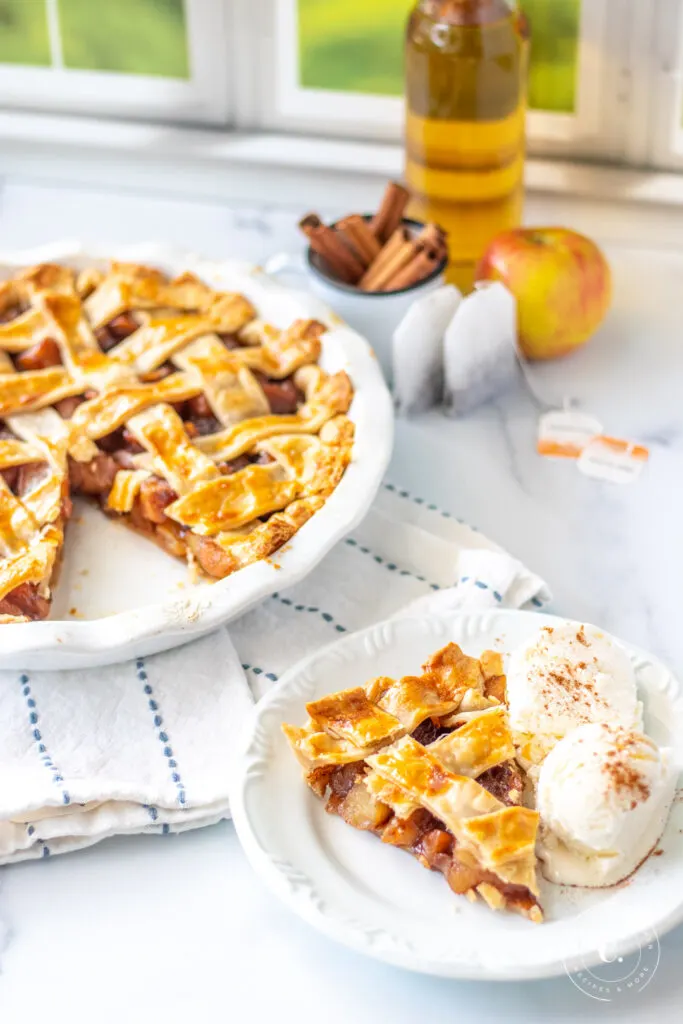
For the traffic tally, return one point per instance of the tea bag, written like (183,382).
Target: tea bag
(577,436)
(418,350)
(480,348)
(564,433)
(613,459)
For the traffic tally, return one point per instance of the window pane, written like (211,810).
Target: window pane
(554,53)
(23,32)
(145,37)
(352,45)
(357,46)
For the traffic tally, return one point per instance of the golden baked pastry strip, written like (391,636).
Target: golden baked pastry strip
(325,396)
(503,842)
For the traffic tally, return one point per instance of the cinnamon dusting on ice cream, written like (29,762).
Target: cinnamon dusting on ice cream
(568,675)
(623,776)
(581,637)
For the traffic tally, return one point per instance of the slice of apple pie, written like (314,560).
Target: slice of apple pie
(427,764)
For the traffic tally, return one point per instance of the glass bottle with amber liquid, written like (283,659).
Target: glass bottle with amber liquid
(466,77)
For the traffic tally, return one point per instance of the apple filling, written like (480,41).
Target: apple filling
(421,833)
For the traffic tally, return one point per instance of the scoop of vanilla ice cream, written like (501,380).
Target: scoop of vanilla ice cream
(603,795)
(568,675)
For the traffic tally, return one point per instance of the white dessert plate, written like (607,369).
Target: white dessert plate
(382,902)
(119,596)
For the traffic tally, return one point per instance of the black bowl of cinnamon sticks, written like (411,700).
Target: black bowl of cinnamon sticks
(381,253)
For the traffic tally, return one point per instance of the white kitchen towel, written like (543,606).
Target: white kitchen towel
(145,746)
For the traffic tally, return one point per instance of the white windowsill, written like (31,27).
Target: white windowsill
(297,171)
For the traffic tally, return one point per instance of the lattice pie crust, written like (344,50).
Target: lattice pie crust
(216,435)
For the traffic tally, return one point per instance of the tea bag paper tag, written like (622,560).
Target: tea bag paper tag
(417,350)
(613,459)
(564,433)
(480,348)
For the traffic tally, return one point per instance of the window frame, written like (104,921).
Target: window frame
(585,122)
(203,98)
(344,112)
(284,105)
(243,58)
(666,94)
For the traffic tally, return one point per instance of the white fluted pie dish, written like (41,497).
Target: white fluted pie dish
(118,595)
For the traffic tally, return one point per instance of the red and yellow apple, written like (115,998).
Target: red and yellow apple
(562,284)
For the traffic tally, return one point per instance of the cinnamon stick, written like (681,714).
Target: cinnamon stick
(387,252)
(351,251)
(417,269)
(403,255)
(357,232)
(432,235)
(339,260)
(390,214)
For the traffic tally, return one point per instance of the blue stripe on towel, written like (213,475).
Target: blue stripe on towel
(287,601)
(259,671)
(482,586)
(401,493)
(162,736)
(152,811)
(37,734)
(391,566)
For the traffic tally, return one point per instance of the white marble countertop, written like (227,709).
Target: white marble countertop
(167,927)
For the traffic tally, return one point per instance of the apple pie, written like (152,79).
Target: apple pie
(169,403)
(427,763)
